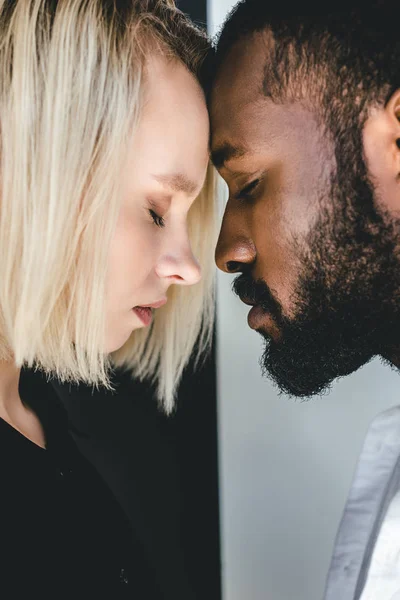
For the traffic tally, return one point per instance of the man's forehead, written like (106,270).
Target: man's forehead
(261,128)
(258,122)
(237,99)
(241,72)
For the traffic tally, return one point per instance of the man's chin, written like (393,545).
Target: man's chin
(295,388)
(300,378)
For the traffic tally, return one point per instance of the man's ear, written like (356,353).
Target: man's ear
(381,138)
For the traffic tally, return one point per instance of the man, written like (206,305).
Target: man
(305,112)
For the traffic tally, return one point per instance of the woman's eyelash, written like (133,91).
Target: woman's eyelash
(245,193)
(159,221)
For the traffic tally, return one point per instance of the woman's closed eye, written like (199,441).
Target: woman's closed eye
(159,221)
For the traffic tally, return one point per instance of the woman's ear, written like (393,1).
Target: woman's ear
(393,113)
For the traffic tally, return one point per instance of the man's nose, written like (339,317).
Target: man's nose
(235,249)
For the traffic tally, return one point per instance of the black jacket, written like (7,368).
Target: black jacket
(162,470)
(63,534)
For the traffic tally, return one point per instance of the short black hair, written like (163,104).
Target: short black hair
(342,53)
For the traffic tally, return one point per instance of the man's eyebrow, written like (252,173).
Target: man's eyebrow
(226,152)
(178,183)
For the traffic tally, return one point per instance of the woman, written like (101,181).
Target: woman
(106,199)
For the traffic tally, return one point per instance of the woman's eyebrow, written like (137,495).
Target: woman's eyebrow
(178,183)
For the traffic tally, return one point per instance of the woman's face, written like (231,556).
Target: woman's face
(164,172)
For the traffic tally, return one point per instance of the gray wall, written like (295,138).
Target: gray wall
(285,466)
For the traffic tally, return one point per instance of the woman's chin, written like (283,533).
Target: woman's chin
(116,342)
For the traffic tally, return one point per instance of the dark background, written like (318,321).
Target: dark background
(196,9)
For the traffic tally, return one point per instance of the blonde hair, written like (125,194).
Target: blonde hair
(71,80)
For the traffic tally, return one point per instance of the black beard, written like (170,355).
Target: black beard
(347,295)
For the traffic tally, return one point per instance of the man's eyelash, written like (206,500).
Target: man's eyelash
(159,221)
(245,193)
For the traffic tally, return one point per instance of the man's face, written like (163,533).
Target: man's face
(317,253)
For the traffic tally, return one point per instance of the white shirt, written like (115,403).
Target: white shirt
(367,548)
(383,581)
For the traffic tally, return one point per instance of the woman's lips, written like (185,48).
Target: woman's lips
(157,304)
(145,314)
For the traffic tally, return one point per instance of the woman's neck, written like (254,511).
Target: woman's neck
(12,409)
(9,393)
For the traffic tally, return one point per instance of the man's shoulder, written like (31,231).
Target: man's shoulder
(388,415)
(385,426)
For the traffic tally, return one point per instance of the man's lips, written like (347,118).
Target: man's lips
(258,318)
(248,301)
(256,314)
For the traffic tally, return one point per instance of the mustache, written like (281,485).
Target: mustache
(257,292)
